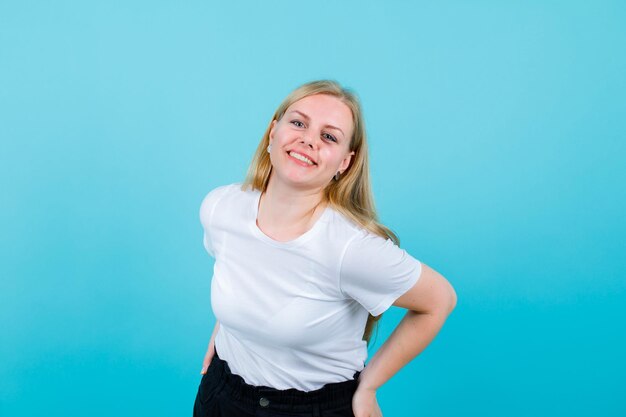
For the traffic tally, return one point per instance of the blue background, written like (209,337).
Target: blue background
(497,137)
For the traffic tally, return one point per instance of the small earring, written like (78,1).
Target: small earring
(269,148)
(336,176)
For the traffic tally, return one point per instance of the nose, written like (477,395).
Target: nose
(307,139)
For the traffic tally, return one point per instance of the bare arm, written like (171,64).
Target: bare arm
(210,350)
(429,302)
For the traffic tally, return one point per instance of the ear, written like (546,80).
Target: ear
(345,162)
(272,125)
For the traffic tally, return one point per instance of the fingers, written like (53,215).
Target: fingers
(204,368)
(206,364)
(208,357)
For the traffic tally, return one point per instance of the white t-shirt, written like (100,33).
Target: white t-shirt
(292,314)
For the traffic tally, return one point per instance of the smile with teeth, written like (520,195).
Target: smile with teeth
(301,158)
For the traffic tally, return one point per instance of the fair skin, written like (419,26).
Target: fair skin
(320,127)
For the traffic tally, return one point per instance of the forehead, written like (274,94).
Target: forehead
(324,109)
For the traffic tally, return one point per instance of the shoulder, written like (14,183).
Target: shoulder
(364,248)
(354,234)
(375,271)
(216,193)
(214,196)
(221,189)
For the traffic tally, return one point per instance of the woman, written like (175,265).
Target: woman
(303,271)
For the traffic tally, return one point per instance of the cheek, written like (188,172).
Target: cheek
(331,158)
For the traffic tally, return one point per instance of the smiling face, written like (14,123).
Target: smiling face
(311,142)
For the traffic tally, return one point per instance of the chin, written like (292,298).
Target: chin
(299,181)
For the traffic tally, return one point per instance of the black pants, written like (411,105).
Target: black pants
(224,394)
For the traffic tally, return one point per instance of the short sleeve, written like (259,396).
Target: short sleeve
(206,215)
(376,272)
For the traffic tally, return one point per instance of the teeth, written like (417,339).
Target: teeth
(301,158)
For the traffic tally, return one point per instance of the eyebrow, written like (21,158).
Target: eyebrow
(308,118)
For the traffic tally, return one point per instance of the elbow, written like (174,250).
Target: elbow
(451,300)
(445,304)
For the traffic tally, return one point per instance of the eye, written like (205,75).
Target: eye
(297,123)
(330,137)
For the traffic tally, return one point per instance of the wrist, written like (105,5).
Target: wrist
(365,385)
(365,382)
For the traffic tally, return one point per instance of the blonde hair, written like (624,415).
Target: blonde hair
(351,195)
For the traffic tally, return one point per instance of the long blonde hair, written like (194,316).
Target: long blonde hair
(351,195)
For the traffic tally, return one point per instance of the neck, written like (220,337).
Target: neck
(290,208)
